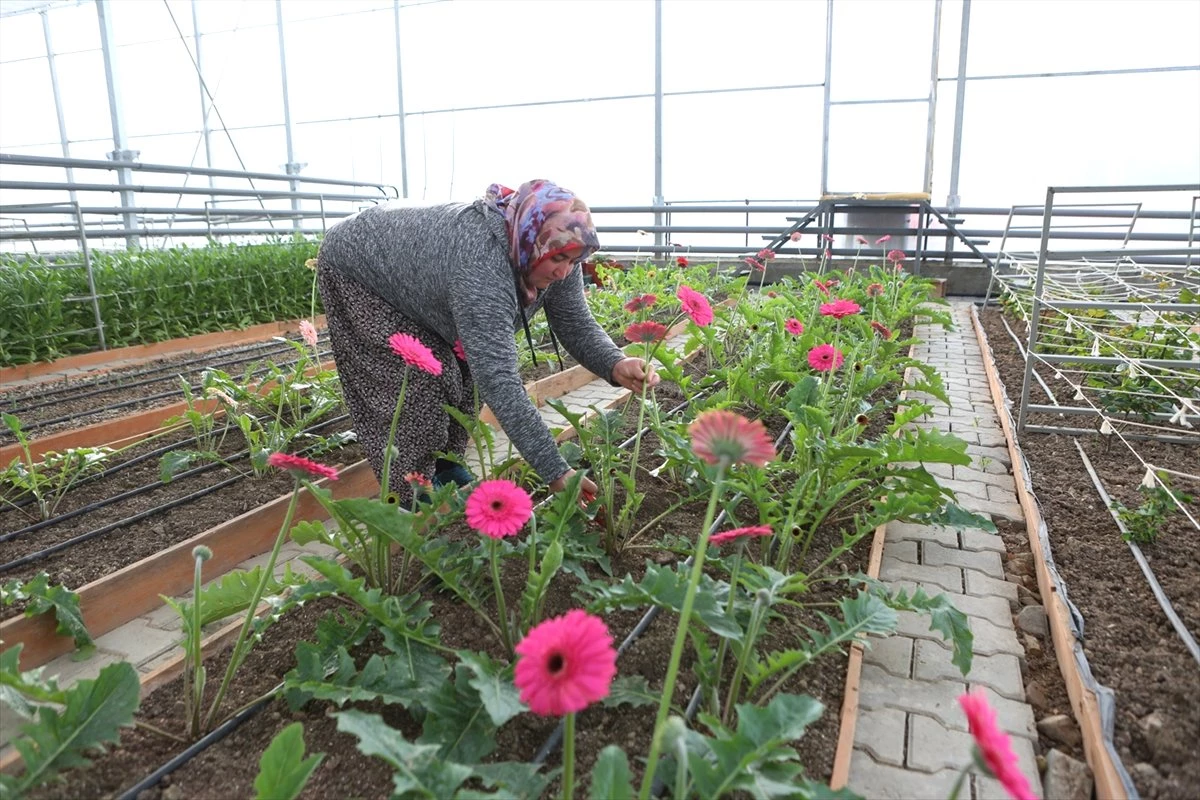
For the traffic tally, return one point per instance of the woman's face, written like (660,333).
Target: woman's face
(554,268)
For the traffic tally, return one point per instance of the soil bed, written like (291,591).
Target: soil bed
(1128,640)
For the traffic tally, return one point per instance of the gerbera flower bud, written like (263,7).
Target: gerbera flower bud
(301,467)
(737,533)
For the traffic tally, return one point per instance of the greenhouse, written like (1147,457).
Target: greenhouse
(599,399)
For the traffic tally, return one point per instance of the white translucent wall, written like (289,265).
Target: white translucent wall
(506,90)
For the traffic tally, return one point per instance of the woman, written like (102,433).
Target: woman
(469,273)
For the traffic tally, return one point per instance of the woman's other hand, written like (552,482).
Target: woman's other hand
(634,374)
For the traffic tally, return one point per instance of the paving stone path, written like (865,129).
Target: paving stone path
(911,736)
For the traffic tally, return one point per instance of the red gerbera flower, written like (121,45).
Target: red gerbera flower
(822,287)
(695,305)
(794,326)
(459,352)
(861,239)
(766,254)
(646,332)
(825,357)
(881,329)
(772,294)
(885,238)
(640,302)
(840,308)
(754,263)
(994,746)
(565,664)
(681,261)
(414,353)
(895,256)
(827,237)
(301,467)
(417,479)
(737,533)
(721,435)
(875,289)
(498,508)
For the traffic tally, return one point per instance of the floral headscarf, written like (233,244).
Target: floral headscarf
(542,219)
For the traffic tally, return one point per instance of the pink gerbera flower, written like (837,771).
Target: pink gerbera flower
(723,436)
(875,290)
(498,508)
(861,239)
(887,237)
(308,333)
(821,286)
(993,744)
(737,533)
(840,308)
(754,263)
(795,237)
(828,252)
(459,352)
(565,664)
(416,479)
(825,357)
(794,326)
(640,302)
(646,332)
(695,305)
(301,467)
(827,237)
(766,254)
(895,256)
(681,261)
(414,353)
(881,329)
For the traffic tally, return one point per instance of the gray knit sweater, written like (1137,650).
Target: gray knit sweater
(446,267)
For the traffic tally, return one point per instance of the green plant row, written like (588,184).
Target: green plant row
(149,296)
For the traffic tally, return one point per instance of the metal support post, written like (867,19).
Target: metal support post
(1036,309)
(960,97)
(658,121)
(91,278)
(399,108)
(205,132)
(291,167)
(826,98)
(933,84)
(120,153)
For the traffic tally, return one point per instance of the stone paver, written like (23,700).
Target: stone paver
(911,737)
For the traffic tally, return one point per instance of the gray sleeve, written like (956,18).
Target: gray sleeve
(485,325)
(573,323)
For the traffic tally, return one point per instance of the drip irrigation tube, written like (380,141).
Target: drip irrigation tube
(83,537)
(144,399)
(111,380)
(200,745)
(1164,602)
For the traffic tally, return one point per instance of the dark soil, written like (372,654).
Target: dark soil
(1128,640)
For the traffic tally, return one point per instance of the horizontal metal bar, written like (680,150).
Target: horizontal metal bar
(1134,305)
(1164,363)
(1077,73)
(86,163)
(1146,187)
(1083,411)
(142,188)
(878,102)
(1140,437)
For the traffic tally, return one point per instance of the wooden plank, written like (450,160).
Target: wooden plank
(101,361)
(1083,700)
(115,599)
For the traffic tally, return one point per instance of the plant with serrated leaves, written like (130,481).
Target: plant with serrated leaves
(40,597)
(283,771)
(1144,523)
(48,479)
(62,725)
(207,436)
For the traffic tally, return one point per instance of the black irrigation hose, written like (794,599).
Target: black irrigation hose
(195,748)
(125,403)
(1164,602)
(111,380)
(238,456)
(83,537)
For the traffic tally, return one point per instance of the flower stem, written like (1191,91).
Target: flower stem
(501,611)
(383,550)
(685,614)
(568,779)
(241,647)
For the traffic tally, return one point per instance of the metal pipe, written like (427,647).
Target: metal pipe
(291,167)
(1036,312)
(658,118)
(960,98)
(120,152)
(927,184)
(400,105)
(825,103)
(205,131)
(58,105)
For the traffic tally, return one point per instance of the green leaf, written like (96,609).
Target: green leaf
(283,770)
(93,713)
(458,722)
(632,690)
(666,588)
(943,617)
(513,780)
(65,605)
(611,778)
(18,688)
(420,770)
(493,681)
(175,462)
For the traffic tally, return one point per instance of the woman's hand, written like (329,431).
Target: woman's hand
(634,374)
(587,488)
